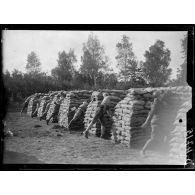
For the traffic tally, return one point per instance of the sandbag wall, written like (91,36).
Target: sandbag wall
(130,114)
(179,132)
(51,110)
(73,99)
(116,96)
(90,113)
(42,108)
(31,106)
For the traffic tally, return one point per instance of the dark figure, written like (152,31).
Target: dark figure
(56,107)
(103,109)
(25,105)
(78,113)
(38,102)
(48,103)
(159,120)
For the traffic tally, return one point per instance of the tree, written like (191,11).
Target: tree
(17,84)
(94,59)
(7,82)
(155,68)
(106,80)
(126,60)
(33,65)
(182,72)
(64,71)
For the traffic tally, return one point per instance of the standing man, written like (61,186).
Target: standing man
(25,105)
(159,120)
(37,101)
(56,107)
(48,103)
(78,113)
(103,109)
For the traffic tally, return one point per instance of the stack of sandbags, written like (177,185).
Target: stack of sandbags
(73,100)
(32,103)
(132,112)
(90,113)
(63,112)
(42,107)
(51,110)
(31,106)
(116,96)
(179,132)
(53,95)
(129,115)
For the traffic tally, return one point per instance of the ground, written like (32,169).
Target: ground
(35,142)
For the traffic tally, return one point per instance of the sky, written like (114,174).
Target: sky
(17,44)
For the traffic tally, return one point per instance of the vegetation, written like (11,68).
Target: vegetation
(155,67)
(95,71)
(182,71)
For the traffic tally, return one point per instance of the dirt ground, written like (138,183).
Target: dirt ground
(38,143)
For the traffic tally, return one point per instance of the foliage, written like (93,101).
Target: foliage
(33,63)
(94,59)
(126,60)
(20,85)
(182,71)
(95,72)
(64,71)
(155,68)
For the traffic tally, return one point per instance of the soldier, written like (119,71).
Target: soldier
(25,105)
(159,120)
(57,103)
(103,109)
(37,101)
(78,113)
(48,103)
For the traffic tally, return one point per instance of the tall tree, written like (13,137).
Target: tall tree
(155,68)
(126,60)
(94,59)
(33,65)
(64,71)
(182,71)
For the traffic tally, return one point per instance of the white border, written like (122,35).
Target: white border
(97,11)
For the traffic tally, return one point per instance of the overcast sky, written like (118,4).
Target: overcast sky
(17,44)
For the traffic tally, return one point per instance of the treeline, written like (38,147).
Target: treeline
(95,71)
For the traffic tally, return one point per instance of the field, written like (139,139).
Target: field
(35,142)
